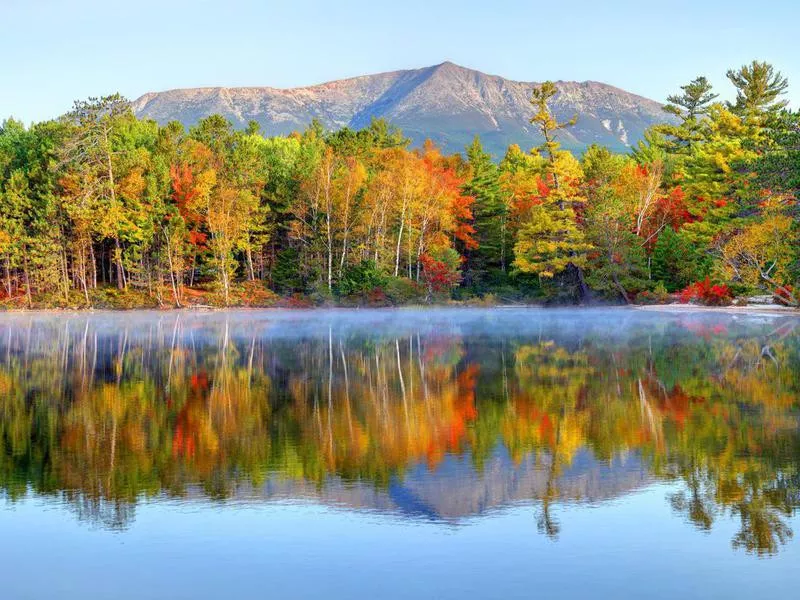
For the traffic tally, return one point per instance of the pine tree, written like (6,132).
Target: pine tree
(673,261)
(691,106)
(548,125)
(693,102)
(758,89)
(490,217)
(550,240)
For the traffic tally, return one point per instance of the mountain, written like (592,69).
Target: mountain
(446,102)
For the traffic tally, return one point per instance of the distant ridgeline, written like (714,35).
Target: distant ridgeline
(446,103)
(104,208)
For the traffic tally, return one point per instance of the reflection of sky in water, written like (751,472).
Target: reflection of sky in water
(630,547)
(399,453)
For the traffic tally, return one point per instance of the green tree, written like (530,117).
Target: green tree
(90,186)
(674,261)
(759,88)
(691,107)
(490,213)
(550,240)
(547,124)
(693,103)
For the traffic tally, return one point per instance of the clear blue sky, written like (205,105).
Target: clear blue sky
(55,51)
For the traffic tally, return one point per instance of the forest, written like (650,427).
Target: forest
(101,209)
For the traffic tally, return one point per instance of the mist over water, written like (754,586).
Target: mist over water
(399,439)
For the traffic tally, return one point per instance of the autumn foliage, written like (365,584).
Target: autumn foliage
(214,215)
(704,292)
(438,275)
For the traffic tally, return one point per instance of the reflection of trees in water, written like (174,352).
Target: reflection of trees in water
(114,416)
(109,513)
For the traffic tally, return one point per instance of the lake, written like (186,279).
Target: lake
(441,453)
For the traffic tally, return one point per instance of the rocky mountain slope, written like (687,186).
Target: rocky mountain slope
(445,102)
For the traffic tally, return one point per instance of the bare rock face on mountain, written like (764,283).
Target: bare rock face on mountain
(447,103)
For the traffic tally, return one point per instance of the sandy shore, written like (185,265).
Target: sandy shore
(752,309)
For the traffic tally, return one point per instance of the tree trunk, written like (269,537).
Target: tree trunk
(65,273)
(83,277)
(584,293)
(94,266)
(8,276)
(172,277)
(399,240)
(26,273)
(250,272)
(121,282)
(621,289)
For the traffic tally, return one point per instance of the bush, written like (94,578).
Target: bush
(487,300)
(440,271)
(511,294)
(297,300)
(320,295)
(401,290)
(703,292)
(108,297)
(360,280)
(253,294)
(657,295)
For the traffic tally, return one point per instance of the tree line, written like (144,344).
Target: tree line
(100,207)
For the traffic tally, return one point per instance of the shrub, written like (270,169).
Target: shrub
(487,300)
(440,272)
(360,279)
(657,295)
(703,292)
(298,300)
(401,290)
(254,294)
(377,297)
(108,297)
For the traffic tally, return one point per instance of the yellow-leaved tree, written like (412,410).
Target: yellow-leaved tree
(550,239)
(760,255)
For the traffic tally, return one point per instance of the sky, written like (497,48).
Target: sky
(56,51)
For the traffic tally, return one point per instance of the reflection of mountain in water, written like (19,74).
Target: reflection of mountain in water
(456,490)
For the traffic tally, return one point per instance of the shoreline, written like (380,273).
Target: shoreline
(771,309)
(750,310)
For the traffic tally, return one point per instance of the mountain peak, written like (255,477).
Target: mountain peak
(449,66)
(447,102)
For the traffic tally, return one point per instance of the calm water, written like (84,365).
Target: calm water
(399,454)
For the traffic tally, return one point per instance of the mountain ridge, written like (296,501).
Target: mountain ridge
(445,102)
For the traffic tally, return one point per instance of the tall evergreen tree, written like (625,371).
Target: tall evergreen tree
(490,216)
(759,88)
(550,239)
(548,125)
(690,106)
(693,102)
(673,261)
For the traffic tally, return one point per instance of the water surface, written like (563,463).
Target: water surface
(409,453)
